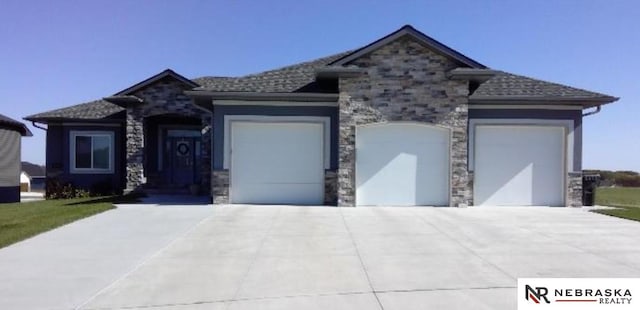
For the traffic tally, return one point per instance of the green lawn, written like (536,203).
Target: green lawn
(626,199)
(19,221)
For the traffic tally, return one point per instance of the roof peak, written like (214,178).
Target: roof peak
(155,78)
(408,30)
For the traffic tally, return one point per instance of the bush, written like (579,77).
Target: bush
(58,189)
(617,178)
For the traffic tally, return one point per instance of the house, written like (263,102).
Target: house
(405,120)
(11,132)
(25,182)
(36,175)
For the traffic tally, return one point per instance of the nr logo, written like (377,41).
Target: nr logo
(536,294)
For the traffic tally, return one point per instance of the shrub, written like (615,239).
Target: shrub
(59,189)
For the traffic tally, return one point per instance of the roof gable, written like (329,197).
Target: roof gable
(155,78)
(421,38)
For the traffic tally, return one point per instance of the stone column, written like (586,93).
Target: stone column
(346,182)
(330,187)
(135,150)
(574,189)
(461,181)
(220,186)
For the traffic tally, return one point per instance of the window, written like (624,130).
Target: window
(91,151)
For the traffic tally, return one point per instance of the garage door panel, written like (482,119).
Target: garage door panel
(518,165)
(402,164)
(274,193)
(261,167)
(277,163)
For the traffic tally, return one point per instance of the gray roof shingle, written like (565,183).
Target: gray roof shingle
(299,77)
(97,109)
(506,85)
(8,122)
(283,80)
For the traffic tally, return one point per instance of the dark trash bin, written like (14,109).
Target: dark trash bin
(589,185)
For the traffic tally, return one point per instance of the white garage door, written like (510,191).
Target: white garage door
(277,163)
(402,164)
(519,166)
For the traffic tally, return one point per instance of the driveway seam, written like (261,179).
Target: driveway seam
(364,268)
(578,248)
(255,256)
(474,253)
(145,260)
(226,301)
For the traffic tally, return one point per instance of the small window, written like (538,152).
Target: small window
(91,152)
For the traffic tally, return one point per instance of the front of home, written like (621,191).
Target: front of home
(404,120)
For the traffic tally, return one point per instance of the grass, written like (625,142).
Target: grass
(625,199)
(19,221)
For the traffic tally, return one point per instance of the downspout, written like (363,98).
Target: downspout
(33,123)
(597,110)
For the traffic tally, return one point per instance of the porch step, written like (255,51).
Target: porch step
(167,191)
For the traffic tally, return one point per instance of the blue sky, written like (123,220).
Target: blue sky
(58,53)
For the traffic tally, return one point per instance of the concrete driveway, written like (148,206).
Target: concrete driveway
(272,257)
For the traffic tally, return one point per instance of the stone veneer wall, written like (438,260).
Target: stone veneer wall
(330,187)
(163,97)
(574,189)
(405,81)
(220,186)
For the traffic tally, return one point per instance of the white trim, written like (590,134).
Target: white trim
(567,124)
(523,107)
(324,120)
(323,146)
(72,151)
(276,103)
(436,126)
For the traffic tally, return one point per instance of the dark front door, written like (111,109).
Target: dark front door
(182,148)
(183,161)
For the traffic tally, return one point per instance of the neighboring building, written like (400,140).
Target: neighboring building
(36,176)
(11,132)
(25,182)
(404,120)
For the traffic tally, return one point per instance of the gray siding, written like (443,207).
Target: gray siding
(59,160)
(9,157)
(9,165)
(575,115)
(219,111)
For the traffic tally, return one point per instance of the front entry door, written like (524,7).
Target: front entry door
(183,161)
(183,150)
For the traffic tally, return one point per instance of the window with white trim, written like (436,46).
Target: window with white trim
(91,151)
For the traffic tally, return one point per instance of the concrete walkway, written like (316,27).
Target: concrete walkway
(65,267)
(279,257)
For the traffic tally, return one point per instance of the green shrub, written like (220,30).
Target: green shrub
(59,189)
